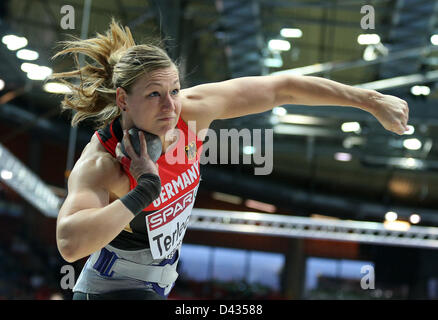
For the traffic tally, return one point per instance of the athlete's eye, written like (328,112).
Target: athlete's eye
(175,92)
(154,94)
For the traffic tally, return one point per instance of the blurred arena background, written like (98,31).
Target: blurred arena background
(349,211)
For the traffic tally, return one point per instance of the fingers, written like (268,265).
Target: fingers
(403,128)
(119,153)
(128,146)
(124,160)
(395,115)
(406,110)
(405,118)
(143,144)
(399,127)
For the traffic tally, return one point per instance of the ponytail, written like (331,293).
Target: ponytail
(116,62)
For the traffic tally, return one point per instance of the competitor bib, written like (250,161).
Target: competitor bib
(166,227)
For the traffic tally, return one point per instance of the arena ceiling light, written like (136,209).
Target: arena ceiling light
(414,218)
(56,87)
(420,90)
(350,127)
(249,150)
(27,67)
(13,42)
(351,141)
(391,216)
(291,33)
(370,54)
(434,39)
(273,62)
(36,72)
(2,84)
(367,39)
(411,163)
(279,111)
(279,45)
(410,131)
(26,54)
(343,156)
(374,51)
(41,74)
(6,174)
(412,144)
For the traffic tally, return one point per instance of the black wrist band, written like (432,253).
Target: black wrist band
(147,190)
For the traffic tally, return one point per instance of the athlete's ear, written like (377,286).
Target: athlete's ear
(121,98)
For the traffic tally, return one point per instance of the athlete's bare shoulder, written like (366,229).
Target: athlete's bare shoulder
(195,111)
(95,167)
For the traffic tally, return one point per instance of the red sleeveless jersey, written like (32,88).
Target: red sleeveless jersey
(161,226)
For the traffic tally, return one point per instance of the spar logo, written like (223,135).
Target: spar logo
(166,215)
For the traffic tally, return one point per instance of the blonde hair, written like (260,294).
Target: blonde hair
(117,62)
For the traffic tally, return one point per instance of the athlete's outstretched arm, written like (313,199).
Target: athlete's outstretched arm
(249,95)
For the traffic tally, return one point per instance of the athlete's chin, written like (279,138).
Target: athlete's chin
(163,130)
(157,130)
(165,126)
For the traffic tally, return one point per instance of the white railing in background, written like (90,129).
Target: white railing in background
(305,227)
(27,184)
